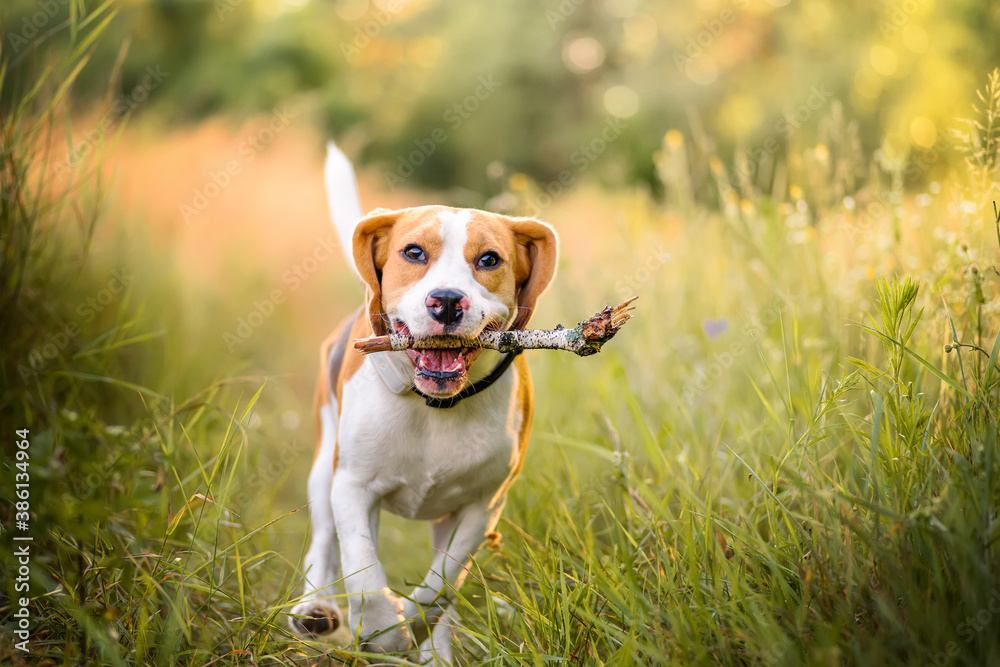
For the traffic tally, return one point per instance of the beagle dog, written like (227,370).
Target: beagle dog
(437,435)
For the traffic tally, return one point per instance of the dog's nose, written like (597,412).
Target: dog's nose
(446,305)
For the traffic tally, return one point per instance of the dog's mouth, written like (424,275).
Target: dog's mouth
(439,372)
(443,364)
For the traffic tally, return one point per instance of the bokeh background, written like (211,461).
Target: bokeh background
(749,168)
(522,107)
(386,74)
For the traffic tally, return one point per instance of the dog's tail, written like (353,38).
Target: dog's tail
(342,196)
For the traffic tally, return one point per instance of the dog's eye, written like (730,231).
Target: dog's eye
(414,253)
(488,260)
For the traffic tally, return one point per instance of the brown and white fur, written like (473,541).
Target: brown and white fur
(429,270)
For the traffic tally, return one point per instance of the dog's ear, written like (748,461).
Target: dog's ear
(371,250)
(535,264)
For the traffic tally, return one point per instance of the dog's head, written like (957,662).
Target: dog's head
(437,270)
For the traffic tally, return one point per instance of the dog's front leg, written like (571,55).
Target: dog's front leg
(375,613)
(317,613)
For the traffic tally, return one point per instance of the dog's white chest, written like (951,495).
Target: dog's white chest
(425,462)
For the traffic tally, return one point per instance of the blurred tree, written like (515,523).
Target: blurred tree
(536,86)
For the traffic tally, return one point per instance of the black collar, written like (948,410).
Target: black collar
(472,389)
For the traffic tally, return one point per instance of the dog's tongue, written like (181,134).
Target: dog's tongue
(443,361)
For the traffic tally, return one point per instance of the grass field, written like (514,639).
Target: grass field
(789,457)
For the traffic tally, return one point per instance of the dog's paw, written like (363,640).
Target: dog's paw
(382,627)
(315,617)
(394,640)
(436,649)
(423,618)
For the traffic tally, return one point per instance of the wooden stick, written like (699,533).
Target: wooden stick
(584,339)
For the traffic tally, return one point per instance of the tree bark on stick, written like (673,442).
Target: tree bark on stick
(584,339)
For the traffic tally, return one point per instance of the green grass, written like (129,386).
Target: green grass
(809,484)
